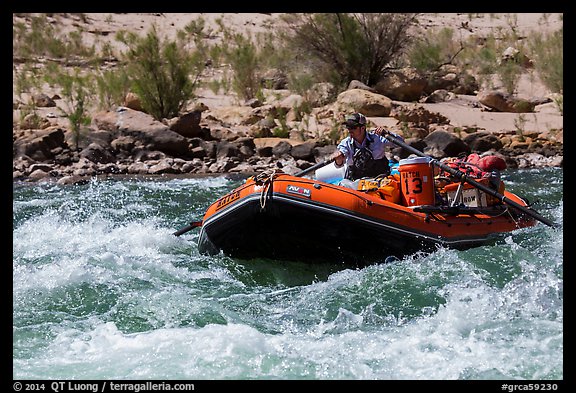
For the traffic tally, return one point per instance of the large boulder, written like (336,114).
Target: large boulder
(363,101)
(39,144)
(405,84)
(482,141)
(188,124)
(142,126)
(441,143)
(503,102)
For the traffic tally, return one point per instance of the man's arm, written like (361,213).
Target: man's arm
(339,158)
(380,130)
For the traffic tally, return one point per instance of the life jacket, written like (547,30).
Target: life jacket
(364,164)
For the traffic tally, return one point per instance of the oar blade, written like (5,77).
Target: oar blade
(188,228)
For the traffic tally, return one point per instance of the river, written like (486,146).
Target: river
(102,289)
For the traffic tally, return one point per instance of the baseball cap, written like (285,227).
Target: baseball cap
(354,120)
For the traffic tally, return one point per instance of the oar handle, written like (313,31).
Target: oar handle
(463,177)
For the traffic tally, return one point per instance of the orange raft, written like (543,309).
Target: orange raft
(279,216)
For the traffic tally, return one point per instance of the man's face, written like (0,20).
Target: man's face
(355,131)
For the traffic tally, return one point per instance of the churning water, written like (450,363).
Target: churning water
(102,289)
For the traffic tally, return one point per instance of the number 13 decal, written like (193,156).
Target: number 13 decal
(416,186)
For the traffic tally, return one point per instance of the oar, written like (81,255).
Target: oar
(463,177)
(188,228)
(314,167)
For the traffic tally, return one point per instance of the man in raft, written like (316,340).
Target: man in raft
(362,150)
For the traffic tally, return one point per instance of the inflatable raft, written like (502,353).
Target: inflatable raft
(422,205)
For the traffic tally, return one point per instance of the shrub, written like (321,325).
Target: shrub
(112,87)
(242,55)
(77,92)
(344,47)
(547,51)
(43,38)
(160,73)
(431,51)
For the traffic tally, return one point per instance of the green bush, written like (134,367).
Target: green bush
(77,93)
(344,47)
(242,54)
(160,73)
(44,38)
(112,87)
(547,52)
(431,51)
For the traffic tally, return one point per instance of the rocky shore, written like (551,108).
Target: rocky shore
(130,142)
